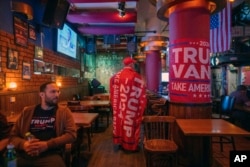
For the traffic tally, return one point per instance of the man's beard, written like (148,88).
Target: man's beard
(51,103)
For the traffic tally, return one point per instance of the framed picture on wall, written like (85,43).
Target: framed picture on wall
(39,66)
(38,52)
(26,70)
(12,59)
(32,32)
(20,31)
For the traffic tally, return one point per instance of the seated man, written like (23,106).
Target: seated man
(241,99)
(52,126)
(240,95)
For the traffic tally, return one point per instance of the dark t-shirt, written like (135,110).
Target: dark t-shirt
(42,124)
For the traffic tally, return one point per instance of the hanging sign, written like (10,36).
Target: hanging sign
(189,71)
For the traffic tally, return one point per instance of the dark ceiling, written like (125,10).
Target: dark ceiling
(101,17)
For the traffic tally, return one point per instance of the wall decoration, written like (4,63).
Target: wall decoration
(2,80)
(20,31)
(12,59)
(32,32)
(49,68)
(39,66)
(38,52)
(26,70)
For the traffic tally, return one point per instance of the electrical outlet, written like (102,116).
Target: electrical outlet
(12,99)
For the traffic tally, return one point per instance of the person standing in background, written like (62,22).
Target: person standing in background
(128,99)
(240,95)
(51,125)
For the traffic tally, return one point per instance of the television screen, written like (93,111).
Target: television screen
(241,14)
(165,77)
(67,41)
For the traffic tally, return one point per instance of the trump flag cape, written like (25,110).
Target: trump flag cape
(128,100)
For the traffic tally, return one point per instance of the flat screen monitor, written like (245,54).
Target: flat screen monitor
(164,77)
(67,41)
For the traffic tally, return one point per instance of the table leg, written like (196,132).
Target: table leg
(197,151)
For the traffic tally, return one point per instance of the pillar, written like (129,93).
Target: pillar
(153,70)
(189,70)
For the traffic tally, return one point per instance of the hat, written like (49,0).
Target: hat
(128,60)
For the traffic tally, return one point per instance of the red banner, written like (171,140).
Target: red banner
(189,71)
(128,99)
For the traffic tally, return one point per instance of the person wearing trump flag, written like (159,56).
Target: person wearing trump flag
(128,100)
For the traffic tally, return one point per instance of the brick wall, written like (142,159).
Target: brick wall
(26,54)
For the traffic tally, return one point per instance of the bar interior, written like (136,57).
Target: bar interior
(186,103)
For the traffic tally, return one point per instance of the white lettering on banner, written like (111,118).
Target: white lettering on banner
(115,101)
(129,118)
(191,57)
(191,54)
(132,104)
(199,88)
(128,130)
(132,101)
(191,71)
(124,88)
(179,86)
(176,52)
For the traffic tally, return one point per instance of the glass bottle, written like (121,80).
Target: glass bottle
(29,136)
(11,156)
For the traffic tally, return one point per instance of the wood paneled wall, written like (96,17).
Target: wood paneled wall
(31,97)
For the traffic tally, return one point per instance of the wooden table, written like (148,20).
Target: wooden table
(95,103)
(102,96)
(82,119)
(91,103)
(200,153)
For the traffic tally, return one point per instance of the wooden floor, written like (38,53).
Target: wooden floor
(104,154)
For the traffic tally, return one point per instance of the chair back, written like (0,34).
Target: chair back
(73,103)
(227,104)
(158,127)
(78,108)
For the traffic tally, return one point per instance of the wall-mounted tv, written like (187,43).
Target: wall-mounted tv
(67,41)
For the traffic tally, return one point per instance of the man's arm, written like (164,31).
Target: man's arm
(66,129)
(3,144)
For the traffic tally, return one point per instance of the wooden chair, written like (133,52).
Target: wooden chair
(73,103)
(78,108)
(104,111)
(67,156)
(87,128)
(226,108)
(158,107)
(159,147)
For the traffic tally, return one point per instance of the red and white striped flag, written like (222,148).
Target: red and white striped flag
(220,30)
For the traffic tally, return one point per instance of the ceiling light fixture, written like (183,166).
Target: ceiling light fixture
(121,9)
(122,13)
